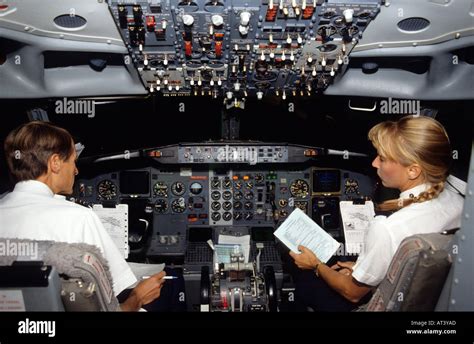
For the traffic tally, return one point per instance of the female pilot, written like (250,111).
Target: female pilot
(414,156)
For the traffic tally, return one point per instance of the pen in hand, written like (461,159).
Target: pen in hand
(165,278)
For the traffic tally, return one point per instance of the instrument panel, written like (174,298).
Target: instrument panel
(172,205)
(236,48)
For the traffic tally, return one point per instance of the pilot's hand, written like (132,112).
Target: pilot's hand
(344,268)
(306,259)
(145,292)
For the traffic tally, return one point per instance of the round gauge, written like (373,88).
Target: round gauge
(302,205)
(178,205)
(161,206)
(216,216)
(160,189)
(299,188)
(326,31)
(238,195)
(107,189)
(248,195)
(227,216)
(363,14)
(215,206)
(195,188)
(259,178)
(226,184)
(178,188)
(227,195)
(349,31)
(329,14)
(351,186)
(215,195)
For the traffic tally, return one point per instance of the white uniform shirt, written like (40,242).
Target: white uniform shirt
(386,233)
(33,212)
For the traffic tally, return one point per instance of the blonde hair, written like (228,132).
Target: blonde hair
(415,140)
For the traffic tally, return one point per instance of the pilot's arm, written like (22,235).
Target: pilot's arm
(145,292)
(341,281)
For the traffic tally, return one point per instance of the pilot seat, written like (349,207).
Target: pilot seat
(416,275)
(57,277)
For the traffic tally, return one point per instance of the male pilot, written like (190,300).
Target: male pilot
(42,160)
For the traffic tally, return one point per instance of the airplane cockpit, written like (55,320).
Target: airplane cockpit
(202,126)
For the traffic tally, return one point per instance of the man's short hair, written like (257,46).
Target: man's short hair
(28,148)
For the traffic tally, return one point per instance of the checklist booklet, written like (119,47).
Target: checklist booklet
(356,219)
(115,221)
(300,229)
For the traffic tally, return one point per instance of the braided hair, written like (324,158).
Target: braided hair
(415,140)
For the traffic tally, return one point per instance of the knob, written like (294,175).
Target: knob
(299,40)
(244,30)
(323,62)
(270,38)
(229,95)
(188,19)
(272,54)
(288,39)
(217,20)
(292,56)
(270,5)
(283,56)
(348,15)
(283,96)
(313,73)
(259,95)
(237,86)
(332,72)
(245,18)
(303,5)
(163,24)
